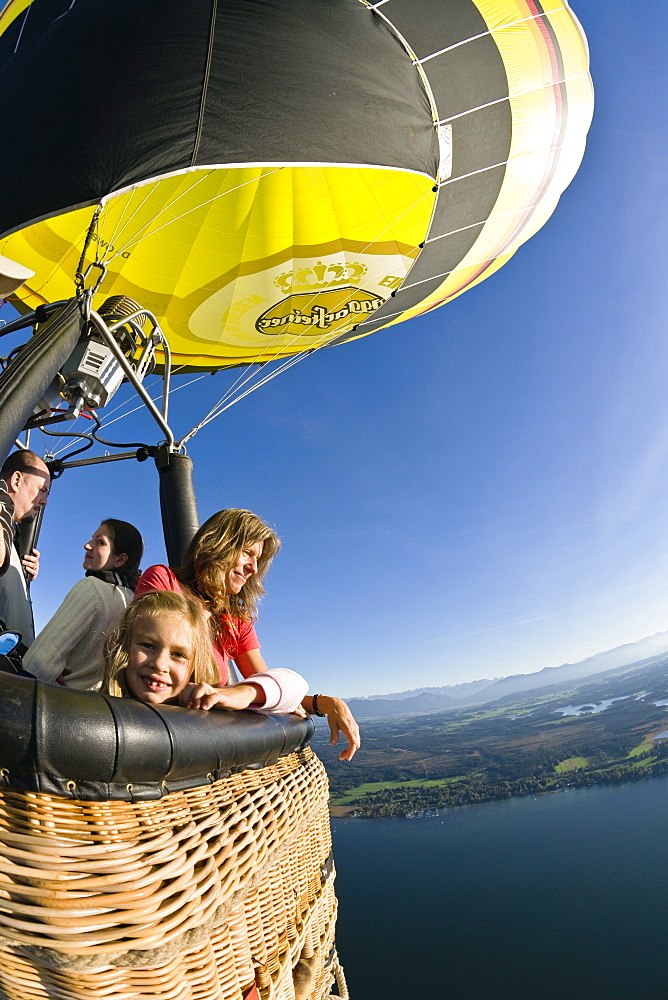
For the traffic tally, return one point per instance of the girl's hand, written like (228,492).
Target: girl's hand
(205,697)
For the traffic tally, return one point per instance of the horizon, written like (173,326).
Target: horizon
(527,673)
(480,490)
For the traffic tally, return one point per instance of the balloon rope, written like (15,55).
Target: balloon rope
(222,194)
(511,97)
(79,274)
(490,31)
(149,189)
(28,9)
(216,411)
(128,201)
(125,402)
(205,83)
(224,403)
(156,399)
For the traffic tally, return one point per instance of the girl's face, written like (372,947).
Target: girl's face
(100,552)
(160,658)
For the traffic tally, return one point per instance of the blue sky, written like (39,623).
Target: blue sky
(476,493)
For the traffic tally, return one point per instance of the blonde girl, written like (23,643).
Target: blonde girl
(160,653)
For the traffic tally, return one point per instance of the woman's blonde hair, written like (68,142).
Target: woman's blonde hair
(216,548)
(157,604)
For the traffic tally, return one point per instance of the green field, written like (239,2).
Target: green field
(571,764)
(642,748)
(369,787)
(645,762)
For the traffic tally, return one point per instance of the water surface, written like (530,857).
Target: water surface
(589,707)
(556,897)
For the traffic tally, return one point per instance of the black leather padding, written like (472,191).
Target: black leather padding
(24,380)
(93,747)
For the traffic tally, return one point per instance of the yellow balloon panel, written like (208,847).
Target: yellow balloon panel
(11,11)
(244,263)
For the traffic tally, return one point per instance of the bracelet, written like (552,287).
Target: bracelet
(316,711)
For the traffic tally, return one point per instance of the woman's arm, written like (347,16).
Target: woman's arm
(276,691)
(341,722)
(280,691)
(251,662)
(340,718)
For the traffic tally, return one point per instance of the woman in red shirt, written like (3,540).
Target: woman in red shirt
(224,566)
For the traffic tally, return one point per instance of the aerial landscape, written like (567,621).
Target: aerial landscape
(607,726)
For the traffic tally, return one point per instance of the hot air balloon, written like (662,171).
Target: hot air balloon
(269,178)
(193,187)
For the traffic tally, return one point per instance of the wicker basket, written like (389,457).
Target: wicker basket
(218,891)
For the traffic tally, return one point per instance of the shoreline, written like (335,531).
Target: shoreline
(381,808)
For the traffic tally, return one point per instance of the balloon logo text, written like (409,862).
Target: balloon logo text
(334,311)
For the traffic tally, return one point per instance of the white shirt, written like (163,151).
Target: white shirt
(74,638)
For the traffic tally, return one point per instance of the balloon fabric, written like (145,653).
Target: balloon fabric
(272,177)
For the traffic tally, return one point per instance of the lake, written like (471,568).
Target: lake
(559,896)
(590,708)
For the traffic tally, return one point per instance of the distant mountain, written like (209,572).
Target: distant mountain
(620,656)
(425,700)
(383,708)
(454,691)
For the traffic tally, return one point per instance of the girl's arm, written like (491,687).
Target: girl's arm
(206,697)
(340,718)
(273,692)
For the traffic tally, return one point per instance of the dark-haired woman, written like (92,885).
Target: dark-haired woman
(69,649)
(225,565)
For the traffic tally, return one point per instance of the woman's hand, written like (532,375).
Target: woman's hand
(206,697)
(341,722)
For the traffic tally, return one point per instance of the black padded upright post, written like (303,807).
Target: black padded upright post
(27,535)
(26,379)
(178,503)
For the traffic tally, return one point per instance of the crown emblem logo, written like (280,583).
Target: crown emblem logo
(314,277)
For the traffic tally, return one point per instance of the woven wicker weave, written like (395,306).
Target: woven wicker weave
(202,894)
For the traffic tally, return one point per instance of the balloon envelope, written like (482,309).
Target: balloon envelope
(272,177)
